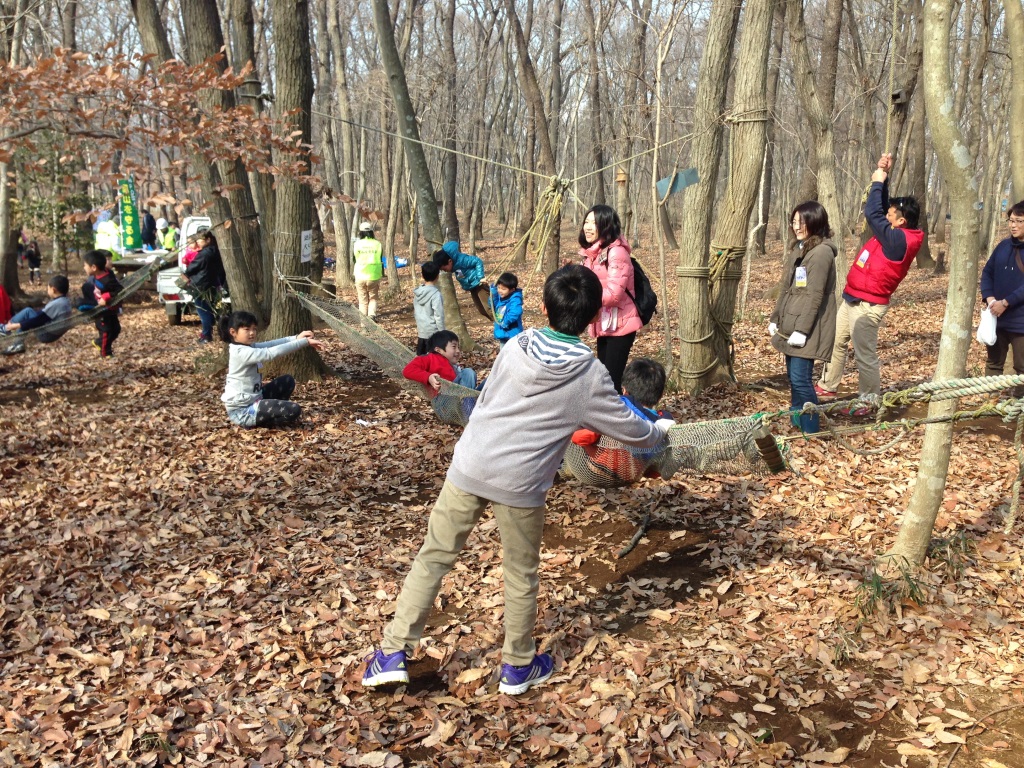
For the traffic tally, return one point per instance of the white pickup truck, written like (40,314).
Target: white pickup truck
(176,301)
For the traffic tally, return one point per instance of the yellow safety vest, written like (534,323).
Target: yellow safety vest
(108,236)
(368,251)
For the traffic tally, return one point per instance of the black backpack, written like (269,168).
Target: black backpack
(643,296)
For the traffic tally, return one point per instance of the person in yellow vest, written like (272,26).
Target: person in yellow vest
(108,234)
(166,234)
(369,269)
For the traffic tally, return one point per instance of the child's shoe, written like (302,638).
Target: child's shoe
(516,680)
(383,668)
(97,347)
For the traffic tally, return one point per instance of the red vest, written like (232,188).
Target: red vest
(873,277)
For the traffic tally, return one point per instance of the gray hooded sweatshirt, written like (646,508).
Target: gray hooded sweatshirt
(542,388)
(429,310)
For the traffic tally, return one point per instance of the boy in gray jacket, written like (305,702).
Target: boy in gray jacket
(428,308)
(544,385)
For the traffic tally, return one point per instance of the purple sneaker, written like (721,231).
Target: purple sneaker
(516,680)
(383,668)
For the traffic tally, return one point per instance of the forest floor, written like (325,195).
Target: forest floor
(175,590)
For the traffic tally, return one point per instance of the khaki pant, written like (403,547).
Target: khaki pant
(859,323)
(367,291)
(451,521)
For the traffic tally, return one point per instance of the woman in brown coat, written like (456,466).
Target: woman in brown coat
(803,325)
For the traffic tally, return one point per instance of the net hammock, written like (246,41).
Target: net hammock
(725,446)
(52,331)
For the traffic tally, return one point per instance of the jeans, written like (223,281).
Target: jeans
(613,351)
(453,518)
(800,371)
(466,378)
(31,313)
(860,323)
(206,317)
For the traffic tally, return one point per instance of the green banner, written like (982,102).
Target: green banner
(131,226)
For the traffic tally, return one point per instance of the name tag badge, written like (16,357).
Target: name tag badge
(800,277)
(863,258)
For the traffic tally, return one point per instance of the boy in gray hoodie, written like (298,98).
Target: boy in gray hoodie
(545,384)
(428,307)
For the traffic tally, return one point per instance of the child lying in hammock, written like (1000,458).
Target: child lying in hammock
(643,384)
(441,364)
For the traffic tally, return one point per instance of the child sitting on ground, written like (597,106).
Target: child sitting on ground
(105,288)
(544,385)
(250,402)
(441,363)
(643,384)
(428,307)
(507,302)
(30,318)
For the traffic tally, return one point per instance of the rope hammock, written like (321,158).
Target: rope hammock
(741,445)
(54,330)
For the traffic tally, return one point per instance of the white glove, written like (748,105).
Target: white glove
(663,425)
(773,328)
(797,339)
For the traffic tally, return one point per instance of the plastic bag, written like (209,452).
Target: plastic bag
(986,328)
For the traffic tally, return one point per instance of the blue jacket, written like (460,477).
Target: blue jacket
(468,270)
(1003,279)
(508,314)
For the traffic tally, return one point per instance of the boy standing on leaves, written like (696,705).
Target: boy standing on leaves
(105,287)
(880,267)
(544,385)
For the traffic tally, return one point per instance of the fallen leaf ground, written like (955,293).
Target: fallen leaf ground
(179,591)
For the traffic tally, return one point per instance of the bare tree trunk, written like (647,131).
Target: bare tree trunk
(957,167)
(449,161)
(535,98)
(239,240)
(426,202)
(774,69)
(698,366)
(818,107)
(294,200)
(342,235)
(1015,33)
(594,96)
(749,117)
(919,178)
(243,47)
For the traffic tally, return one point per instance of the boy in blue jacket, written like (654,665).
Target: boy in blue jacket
(1002,289)
(468,270)
(507,301)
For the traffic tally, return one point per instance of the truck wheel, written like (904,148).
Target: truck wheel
(173,313)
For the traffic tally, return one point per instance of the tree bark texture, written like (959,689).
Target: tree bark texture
(294,211)
(957,166)
(419,171)
(240,241)
(817,105)
(1015,33)
(748,128)
(699,368)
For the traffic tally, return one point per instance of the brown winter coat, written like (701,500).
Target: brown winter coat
(811,309)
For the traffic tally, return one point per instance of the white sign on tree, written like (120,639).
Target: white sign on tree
(307,246)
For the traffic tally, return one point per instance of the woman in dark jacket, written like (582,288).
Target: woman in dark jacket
(205,276)
(803,325)
(1002,289)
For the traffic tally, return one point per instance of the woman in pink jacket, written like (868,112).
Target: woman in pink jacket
(606,253)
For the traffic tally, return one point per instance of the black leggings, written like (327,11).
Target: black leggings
(275,409)
(613,351)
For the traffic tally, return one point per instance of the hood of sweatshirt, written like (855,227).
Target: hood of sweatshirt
(421,296)
(543,362)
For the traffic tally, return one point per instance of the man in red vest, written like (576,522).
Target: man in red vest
(880,266)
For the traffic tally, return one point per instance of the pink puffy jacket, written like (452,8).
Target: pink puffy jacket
(615,271)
